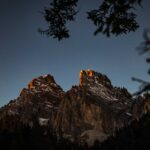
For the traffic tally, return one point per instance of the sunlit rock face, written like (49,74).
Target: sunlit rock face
(90,77)
(43,84)
(100,85)
(91,111)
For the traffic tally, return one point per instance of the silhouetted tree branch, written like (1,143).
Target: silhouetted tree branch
(144,87)
(112,17)
(144,48)
(115,17)
(57,15)
(145,45)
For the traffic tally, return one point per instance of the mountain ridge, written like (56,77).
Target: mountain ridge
(92,111)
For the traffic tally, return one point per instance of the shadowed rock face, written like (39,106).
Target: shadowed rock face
(93,110)
(40,101)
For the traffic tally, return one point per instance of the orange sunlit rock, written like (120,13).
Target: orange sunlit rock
(30,85)
(89,73)
(81,77)
(85,74)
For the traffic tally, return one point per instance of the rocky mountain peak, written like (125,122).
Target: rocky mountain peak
(42,84)
(90,77)
(45,80)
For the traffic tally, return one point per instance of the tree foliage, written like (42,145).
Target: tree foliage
(143,48)
(57,15)
(112,17)
(115,17)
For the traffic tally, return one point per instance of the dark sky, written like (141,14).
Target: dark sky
(25,54)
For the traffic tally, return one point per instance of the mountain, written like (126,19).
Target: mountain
(39,102)
(88,116)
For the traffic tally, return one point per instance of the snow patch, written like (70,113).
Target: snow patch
(90,136)
(102,92)
(44,76)
(43,121)
(129,114)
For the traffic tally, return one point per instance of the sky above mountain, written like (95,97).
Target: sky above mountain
(25,54)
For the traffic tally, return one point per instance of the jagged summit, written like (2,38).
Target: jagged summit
(41,81)
(100,85)
(87,78)
(42,84)
(90,77)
